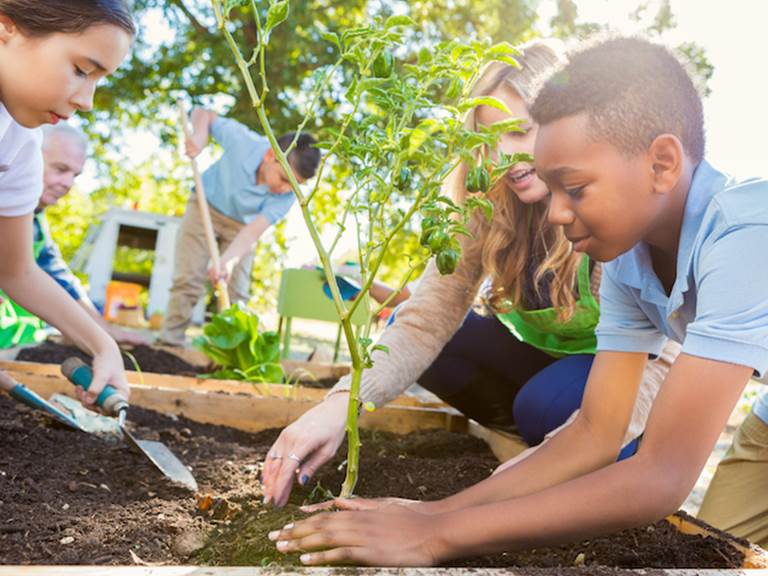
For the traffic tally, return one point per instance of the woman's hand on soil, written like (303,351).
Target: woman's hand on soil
(303,447)
(395,536)
(107,369)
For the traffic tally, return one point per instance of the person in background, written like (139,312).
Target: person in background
(65,150)
(247,192)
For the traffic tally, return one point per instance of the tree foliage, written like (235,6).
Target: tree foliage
(179,53)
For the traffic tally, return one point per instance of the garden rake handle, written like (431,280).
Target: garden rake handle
(202,203)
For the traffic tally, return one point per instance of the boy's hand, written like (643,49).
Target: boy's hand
(223,272)
(194,145)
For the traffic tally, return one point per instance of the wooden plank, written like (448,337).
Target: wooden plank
(504,445)
(754,556)
(26,370)
(248,412)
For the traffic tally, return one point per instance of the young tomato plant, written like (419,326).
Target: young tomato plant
(399,134)
(233,342)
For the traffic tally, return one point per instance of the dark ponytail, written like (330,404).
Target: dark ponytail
(41,18)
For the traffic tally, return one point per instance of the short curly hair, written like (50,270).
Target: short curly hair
(631,90)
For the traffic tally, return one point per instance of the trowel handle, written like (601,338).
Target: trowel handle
(80,374)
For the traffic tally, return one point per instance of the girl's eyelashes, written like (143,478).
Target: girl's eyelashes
(575,192)
(80,72)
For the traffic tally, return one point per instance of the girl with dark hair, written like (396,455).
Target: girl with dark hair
(52,55)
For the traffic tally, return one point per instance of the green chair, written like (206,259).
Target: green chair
(301,296)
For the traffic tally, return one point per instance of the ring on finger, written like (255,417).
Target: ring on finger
(275,456)
(295,458)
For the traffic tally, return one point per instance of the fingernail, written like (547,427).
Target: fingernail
(288,526)
(305,558)
(304,479)
(282,545)
(273,535)
(266,500)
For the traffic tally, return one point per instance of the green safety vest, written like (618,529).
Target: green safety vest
(542,329)
(17,325)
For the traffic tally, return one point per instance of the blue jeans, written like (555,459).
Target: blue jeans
(489,375)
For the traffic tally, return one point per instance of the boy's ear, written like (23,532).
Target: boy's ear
(7,28)
(667,162)
(269,155)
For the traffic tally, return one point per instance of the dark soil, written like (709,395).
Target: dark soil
(148,358)
(70,498)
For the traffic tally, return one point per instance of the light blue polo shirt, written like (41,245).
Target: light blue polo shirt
(230,183)
(718,306)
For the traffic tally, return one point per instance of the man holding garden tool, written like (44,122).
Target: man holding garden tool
(244,192)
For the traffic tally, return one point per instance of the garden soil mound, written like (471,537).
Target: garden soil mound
(148,358)
(70,498)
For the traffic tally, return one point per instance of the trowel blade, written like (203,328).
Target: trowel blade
(164,460)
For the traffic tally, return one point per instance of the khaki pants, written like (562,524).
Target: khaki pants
(190,271)
(737,498)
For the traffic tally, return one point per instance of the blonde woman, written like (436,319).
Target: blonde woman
(521,368)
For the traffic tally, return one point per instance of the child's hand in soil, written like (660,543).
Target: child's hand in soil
(303,447)
(367,504)
(396,536)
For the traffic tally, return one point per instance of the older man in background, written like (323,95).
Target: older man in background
(64,152)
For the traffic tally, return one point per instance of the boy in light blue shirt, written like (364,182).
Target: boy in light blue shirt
(247,192)
(620,145)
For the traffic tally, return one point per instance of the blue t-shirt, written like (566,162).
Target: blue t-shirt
(230,183)
(718,306)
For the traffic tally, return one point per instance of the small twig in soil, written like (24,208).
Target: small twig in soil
(727,560)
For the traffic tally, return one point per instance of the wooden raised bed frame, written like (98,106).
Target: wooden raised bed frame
(253,408)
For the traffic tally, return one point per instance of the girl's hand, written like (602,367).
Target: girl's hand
(396,536)
(107,369)
(303,447)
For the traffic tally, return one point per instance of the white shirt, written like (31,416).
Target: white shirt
(21,167)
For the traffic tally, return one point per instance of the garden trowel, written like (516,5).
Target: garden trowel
(109,400)
(22,394)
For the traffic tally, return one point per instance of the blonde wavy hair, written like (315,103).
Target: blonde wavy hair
(519,238)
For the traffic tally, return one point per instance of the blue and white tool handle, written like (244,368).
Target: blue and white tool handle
(80,374)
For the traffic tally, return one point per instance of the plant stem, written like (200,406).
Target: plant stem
(353,434)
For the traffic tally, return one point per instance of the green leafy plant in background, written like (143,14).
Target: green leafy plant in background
(233,342)
(399,136)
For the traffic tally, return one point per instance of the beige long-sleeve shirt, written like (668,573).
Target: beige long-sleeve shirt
(429,319)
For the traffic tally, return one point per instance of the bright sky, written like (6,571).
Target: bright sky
(734,38)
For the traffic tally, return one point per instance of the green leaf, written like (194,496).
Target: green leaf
(503,52)
(400,20)
(484,101)
(232,4)
(484,204)
(276,14)
(381,347)
(331,37)
(424,130)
